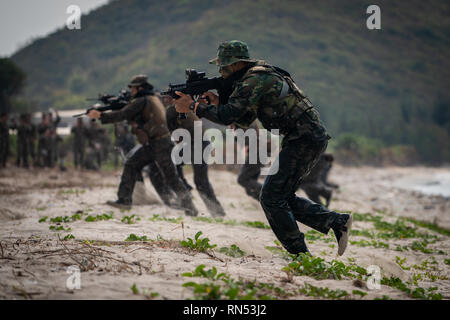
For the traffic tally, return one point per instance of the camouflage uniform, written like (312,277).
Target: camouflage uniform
(269,94)
(147,114)
(53,141)
(94,143)
(201,179)
(43,151)
(124,140)
(22,142)
(313,183)
(4,140)
(79,132)
(249,173)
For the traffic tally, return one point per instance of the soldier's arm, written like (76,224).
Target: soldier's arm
(58,119)
(242,101)
(126,113)
(172,118)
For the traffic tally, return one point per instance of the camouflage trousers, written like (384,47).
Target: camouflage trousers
(156,151)
(22,153)
(279,202)
(201,181)
(4,150)
(78,155)
(248,178)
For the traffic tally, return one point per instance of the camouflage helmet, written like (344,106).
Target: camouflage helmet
(230,52)
(139,80)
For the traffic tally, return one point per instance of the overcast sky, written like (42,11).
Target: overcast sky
(21,20)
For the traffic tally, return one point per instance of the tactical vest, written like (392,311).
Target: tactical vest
(292,113)
(151,123)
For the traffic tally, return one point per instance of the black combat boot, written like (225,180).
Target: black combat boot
(121,204)
(341,228)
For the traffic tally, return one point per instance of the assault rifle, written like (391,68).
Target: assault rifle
(110,102)
(196,84)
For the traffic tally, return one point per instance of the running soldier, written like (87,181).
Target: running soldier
(147,114)
(201,179)
(268,93)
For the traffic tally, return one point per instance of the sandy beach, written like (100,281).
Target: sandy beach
(53,222)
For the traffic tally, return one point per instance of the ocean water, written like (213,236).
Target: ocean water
(437,184)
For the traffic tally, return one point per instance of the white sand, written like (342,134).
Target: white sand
(33,262)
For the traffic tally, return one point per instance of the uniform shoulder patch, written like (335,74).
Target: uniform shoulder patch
(259,69)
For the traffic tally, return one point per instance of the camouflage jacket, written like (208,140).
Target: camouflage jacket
(145,113)
(80,133)
(174,122)
(263,93)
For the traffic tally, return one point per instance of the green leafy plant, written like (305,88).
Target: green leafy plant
(197,243)
(68,237)
(133,237)
(59,228)
(256,224)
(156,217)
(326,293)
(134,289)
(417,293)
(43,219)
(130,219)
(232,251)
(99,217)
(358,292)
(221,286)
(318,268)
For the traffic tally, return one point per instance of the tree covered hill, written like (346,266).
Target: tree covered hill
(389,84)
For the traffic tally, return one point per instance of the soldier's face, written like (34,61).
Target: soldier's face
(226,71)
(134,91)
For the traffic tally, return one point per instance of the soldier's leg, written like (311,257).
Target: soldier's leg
(248,178)
(19,151)
(31,150)
(282,207)
(180,172)
(312,191)
(206,191)
(3,152)
(81,156)
(76,160)
(25,154)
(39,154)
(159,182)
(131,172)
(162,149)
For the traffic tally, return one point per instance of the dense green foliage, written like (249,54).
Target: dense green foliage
(12,79)
(389,85)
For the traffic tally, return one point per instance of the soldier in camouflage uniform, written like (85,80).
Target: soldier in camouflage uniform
(31,137)
(22,141)
(79,132)
(269,94)
(328,160)
(4,140)
(250,172)
(313,184)
(94,143)
(147,114)
(53,140)
(201,179)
